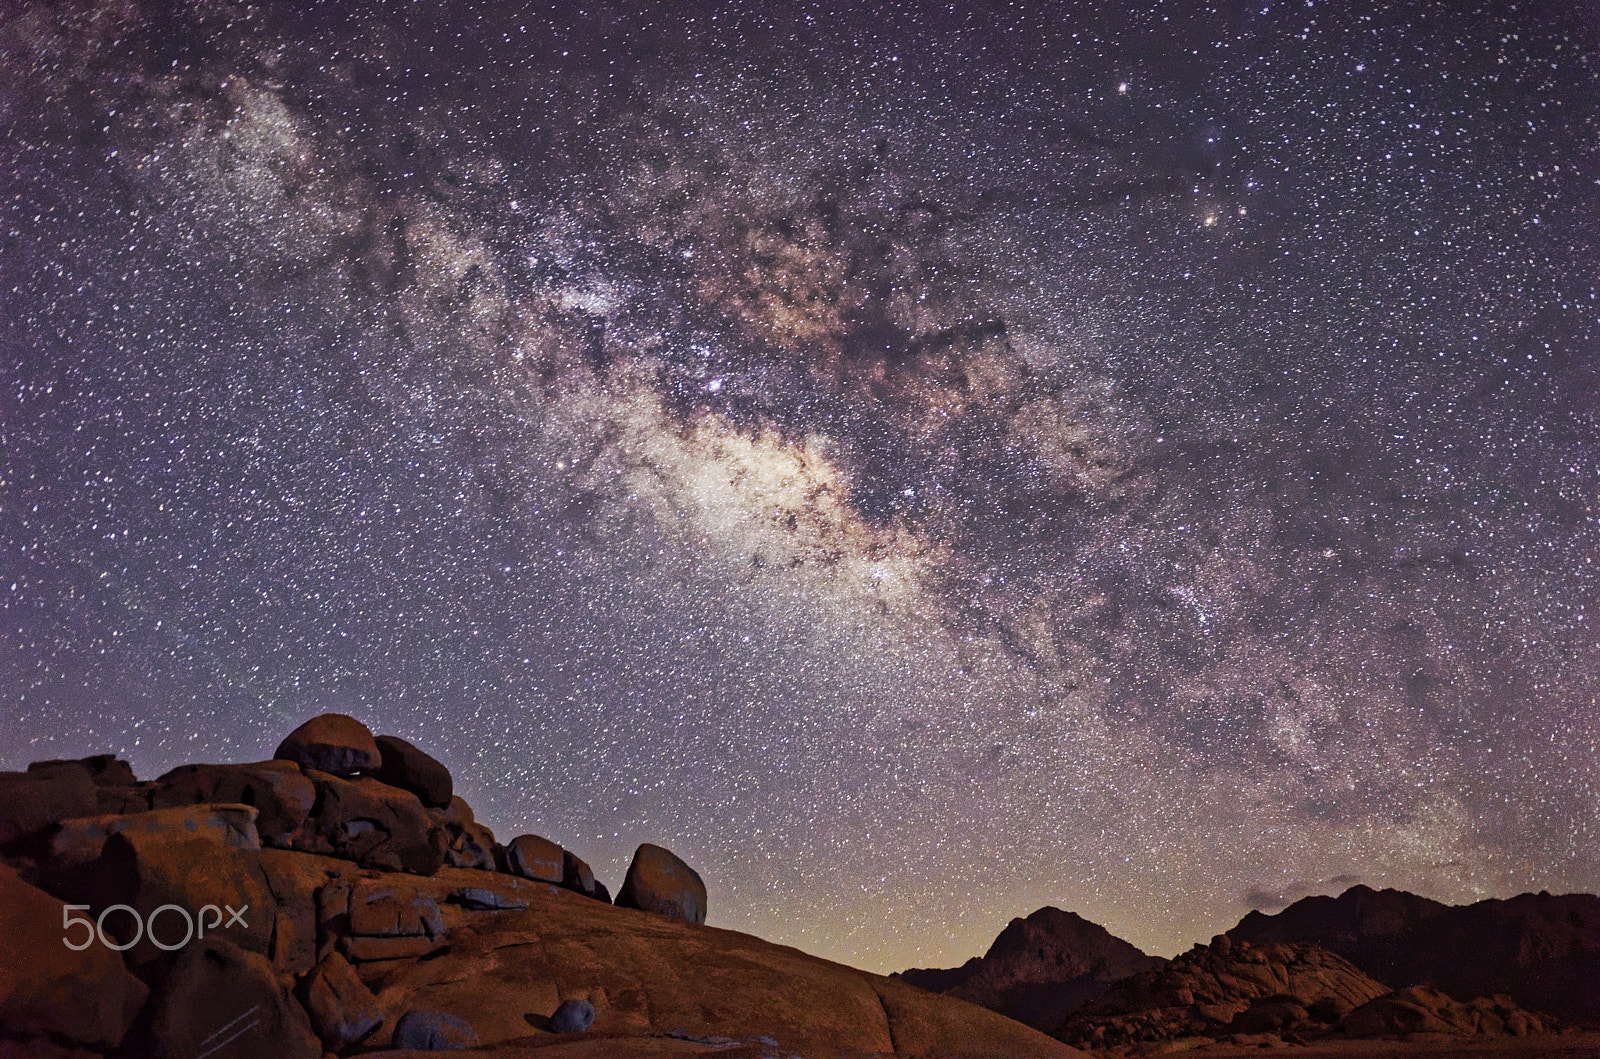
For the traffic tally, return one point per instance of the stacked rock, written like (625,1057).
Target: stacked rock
(289,889)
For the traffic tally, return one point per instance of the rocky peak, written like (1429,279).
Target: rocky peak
(1040,968)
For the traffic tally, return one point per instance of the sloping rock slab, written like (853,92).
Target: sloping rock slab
(220,1000)
(650,977)
(84,997)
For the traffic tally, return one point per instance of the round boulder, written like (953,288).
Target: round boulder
(534,858)
(573,1016)
(410,769)
(658,881)
(332,743)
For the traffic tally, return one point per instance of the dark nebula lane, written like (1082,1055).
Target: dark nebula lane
(918,464)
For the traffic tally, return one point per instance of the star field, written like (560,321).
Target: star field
(918,465)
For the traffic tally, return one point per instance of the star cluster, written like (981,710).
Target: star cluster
(918,465)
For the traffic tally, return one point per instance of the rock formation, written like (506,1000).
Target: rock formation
(1542,951)
(342,1008)
(1267,995)
(659,882)
(281,794)
(410,769)
(468,844)
(1222,989)
(1039,968)
(534,858)
(1420,1009)
(652,977)
(340,898)
(217,996)
(333,743)
(31,802)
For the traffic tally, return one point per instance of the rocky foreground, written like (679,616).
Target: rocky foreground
(341,899)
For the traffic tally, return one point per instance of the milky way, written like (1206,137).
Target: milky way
(918,465)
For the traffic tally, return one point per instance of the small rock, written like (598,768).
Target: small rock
(342,1009)
(535,858)
(333,743)
(573,1016)
(432,1031)
(658,881)
(410,769)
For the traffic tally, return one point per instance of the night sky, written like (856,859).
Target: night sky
(917,463)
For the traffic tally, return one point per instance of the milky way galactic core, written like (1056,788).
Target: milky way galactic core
(919,464)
